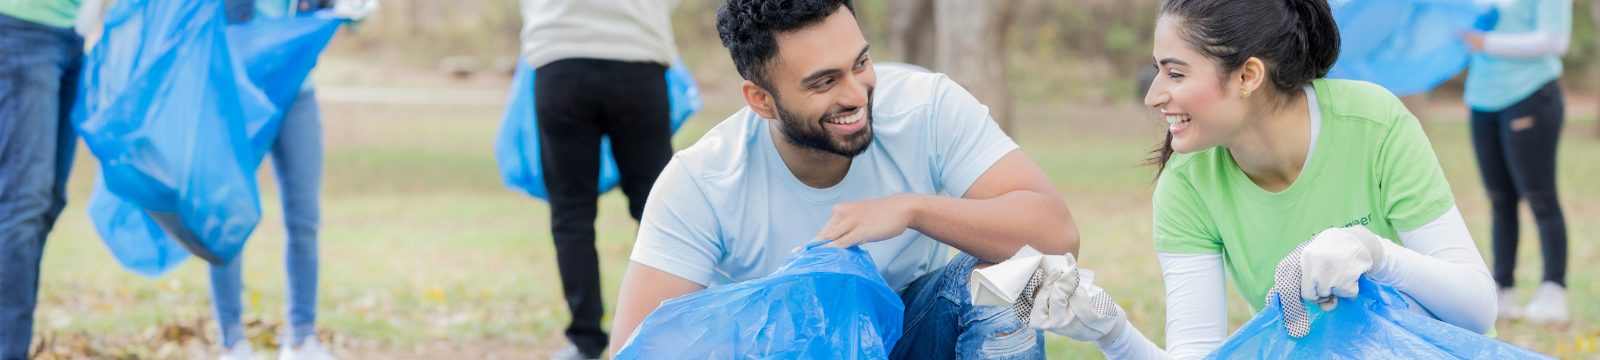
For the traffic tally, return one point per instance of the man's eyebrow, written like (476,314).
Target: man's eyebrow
(1173,61)
(821,73)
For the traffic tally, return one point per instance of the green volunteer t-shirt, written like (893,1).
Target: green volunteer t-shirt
(57,13)
(1372,166)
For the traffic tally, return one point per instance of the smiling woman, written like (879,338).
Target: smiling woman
(1262,153)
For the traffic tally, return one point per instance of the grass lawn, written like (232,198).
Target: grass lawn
(425,254)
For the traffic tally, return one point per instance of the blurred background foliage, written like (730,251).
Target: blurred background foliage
(1086,50)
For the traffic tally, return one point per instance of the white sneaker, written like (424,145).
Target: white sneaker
(1508,305)
(1548,305)
(569,353)
(240,351)
(309,349)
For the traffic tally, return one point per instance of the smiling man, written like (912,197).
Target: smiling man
(905,164)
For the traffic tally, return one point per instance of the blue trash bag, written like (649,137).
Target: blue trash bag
(1374,325)
(180,108)
(516,147)
(1406,46)
(824,303)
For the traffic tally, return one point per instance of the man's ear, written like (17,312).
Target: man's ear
(759,100)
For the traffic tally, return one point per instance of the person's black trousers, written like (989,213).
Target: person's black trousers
(1516,150)
(577,101)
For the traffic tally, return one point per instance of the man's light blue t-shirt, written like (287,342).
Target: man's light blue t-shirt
(727,209)
(1495,82)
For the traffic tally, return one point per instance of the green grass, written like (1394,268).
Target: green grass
(421,243)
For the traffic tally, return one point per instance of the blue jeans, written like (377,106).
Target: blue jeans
(942,323)
(39,68)
(297,161)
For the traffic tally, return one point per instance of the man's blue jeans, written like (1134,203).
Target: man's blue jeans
(297,161)
(39,68)
(942,323)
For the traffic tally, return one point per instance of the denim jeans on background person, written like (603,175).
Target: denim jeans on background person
(39,68)
(297,162)
(1516,149)
(942,323)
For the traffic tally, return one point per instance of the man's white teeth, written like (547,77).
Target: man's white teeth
(848,119)
(1177,119)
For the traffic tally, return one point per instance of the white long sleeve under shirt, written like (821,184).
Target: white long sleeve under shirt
(622,30)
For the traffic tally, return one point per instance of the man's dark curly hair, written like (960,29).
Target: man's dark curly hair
(747,28)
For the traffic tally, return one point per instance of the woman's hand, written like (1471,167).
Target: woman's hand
(1474,40)
(1328,265)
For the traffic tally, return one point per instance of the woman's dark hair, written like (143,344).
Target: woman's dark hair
(1296,39)
(746,28)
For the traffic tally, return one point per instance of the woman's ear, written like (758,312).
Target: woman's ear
(759,100)
(1252,75)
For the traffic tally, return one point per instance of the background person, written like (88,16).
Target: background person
(1261,154)
(297,163)
(830,148)
(40,61)
(601,71)
(1517,113)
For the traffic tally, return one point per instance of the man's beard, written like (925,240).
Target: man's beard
(819,138)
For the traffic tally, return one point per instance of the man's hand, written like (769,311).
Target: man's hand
(859,222)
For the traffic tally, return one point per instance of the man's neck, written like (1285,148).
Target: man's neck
(815,168)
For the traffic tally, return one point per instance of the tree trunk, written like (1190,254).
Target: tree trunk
(911,29)
(964,39)
(971,39)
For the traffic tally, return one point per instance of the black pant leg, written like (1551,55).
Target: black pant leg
(569,148)
(1530,132)
(638,120)
(1502,193)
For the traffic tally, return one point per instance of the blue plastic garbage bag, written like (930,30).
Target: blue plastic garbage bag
(1406,46)
(824,303)
(516,147)
(1374,325)
(168,104)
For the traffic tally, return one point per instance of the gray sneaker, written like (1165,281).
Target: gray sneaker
(570,353)
(1548,305)
(1508,305)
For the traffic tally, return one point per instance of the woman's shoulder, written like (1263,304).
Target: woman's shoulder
(1360,100)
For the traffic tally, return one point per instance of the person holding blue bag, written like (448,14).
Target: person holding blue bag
(297,162)
(599,67)
(835,148)
(1284,182)
(1514,91)
(40,59)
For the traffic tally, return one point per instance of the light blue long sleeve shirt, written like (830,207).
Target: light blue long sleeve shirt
(1496,82)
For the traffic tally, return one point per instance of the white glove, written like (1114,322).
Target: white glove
(1328,265)
(1074,307)
(355,10)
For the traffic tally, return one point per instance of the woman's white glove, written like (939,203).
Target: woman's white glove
(1068,303)
(1328,265)
(1077,309)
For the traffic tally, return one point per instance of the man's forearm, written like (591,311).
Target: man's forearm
(994,229)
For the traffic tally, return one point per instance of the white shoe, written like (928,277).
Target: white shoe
(240,351)
(309,349)
(1548,305)
(1508,305)
(569,353)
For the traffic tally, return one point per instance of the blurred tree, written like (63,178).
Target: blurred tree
(964,39)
